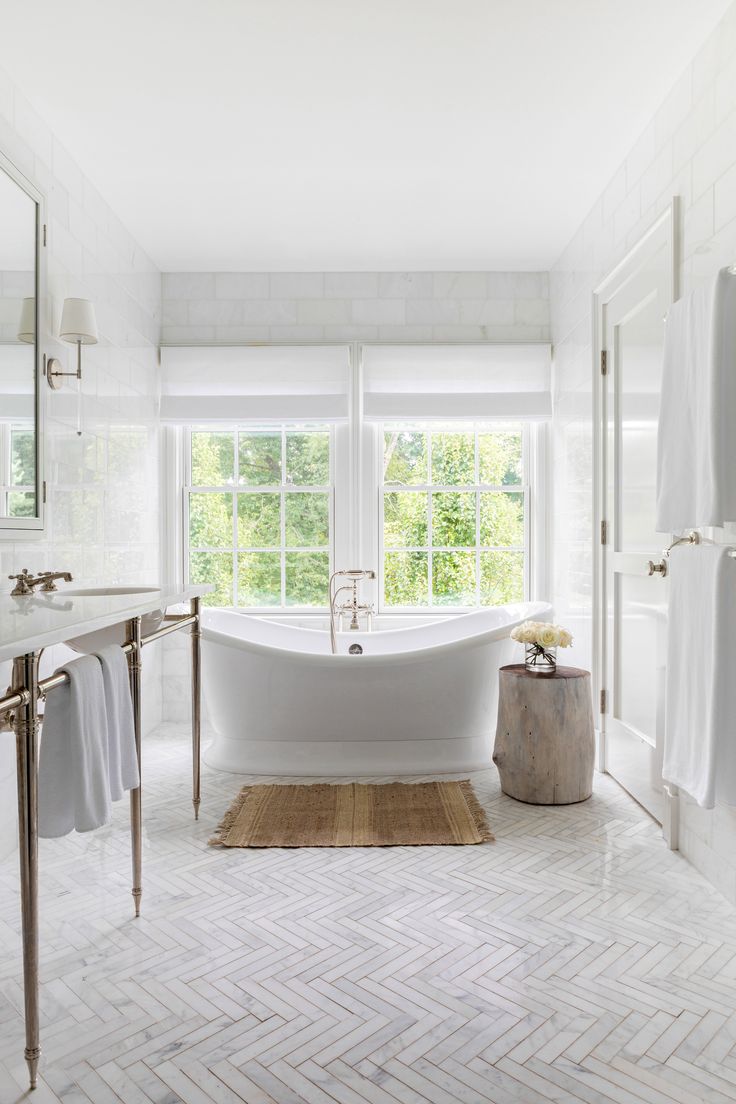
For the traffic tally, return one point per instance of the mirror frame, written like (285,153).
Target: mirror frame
(30,527)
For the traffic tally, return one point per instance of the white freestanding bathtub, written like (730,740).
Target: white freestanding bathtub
(418,700)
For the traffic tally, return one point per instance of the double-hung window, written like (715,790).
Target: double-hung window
(258,506)
(424,463)
(17,471)
(454,515)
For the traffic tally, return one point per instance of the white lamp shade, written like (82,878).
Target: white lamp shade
(27,328)
(78,322)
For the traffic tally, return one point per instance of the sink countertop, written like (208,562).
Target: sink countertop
(30,623)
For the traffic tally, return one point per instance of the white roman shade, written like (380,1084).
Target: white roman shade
(229,383)
(454,382)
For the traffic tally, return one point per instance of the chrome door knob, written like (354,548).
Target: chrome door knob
(659,568)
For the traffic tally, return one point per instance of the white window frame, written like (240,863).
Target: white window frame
(356,522)
(429,489)
(282,489)
(7,487)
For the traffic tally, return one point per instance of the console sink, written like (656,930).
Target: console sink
(113,634)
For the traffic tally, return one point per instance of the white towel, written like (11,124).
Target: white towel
(122,757)
(696,445)
(73,776)
(700,724)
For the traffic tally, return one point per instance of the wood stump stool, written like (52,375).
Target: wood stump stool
(545,745)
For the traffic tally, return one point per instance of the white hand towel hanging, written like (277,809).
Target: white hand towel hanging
(696,445)
(73,772)
(122,756)
(699,745)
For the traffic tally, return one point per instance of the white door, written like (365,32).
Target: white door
(632,307)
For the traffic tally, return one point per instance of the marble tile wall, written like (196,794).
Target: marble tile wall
(103,515)
(207,307)
(688,149)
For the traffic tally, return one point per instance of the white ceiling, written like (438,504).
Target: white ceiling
(350,134)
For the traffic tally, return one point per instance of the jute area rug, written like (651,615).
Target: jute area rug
(354,815)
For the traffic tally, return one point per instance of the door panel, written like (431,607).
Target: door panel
(634,643)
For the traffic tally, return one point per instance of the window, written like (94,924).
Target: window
(17,471)
(258,505)
(454,515)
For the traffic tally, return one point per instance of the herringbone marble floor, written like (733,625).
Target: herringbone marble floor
(574,959)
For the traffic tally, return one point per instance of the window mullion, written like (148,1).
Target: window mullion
(282,507)
(236,483)
(477,513)
(430,534)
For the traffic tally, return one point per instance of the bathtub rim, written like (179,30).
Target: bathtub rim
(486,636)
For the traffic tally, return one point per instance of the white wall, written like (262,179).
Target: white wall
(688,149)
(103,486)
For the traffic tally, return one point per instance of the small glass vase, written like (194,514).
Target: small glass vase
(539,660)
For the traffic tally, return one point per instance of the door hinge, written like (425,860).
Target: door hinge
(603,701)
(604,362)
(44,233)
(604,532)
(44,491)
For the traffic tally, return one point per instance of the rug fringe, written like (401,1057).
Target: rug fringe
(227,822)
(476,811)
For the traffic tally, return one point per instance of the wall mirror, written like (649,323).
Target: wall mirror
(21,302)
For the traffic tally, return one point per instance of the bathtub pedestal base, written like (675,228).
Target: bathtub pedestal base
(329,759)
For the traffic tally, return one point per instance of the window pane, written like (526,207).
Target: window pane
(307,576)
(308,459)
(453,578)
(211,520)
(501,578)
(216,568)
(22,504)
(213,459)
(259,520)
(453,518)
(22,459)
(404,457)
(502,518)
(453,458)
(259,578)
(307,520)
(405,519)
(259,459)
(405,579)
(500,458)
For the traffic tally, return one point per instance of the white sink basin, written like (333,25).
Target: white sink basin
(113,634)
(106,592)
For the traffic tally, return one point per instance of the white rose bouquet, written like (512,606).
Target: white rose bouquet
(540,638)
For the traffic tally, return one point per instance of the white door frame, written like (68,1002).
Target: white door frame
(664,231)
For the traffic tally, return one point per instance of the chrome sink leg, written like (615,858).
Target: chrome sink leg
(195,606)
(25,676)
(136,813)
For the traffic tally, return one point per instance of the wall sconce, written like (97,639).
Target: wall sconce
(78,327)
(27,327)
